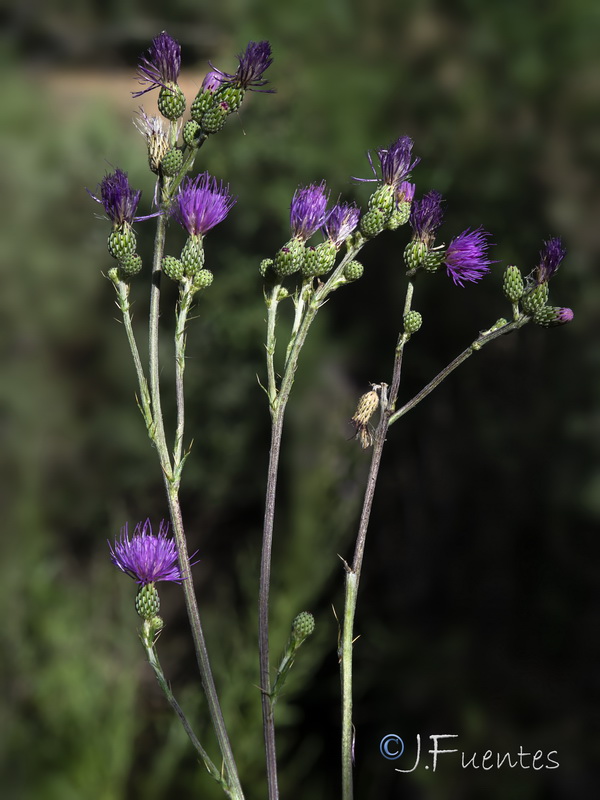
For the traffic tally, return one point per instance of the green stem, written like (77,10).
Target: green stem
(481,341)
(202,658)
(155,664)
(185,301)
(278,402)
(388,417)
(153,346)
(172,485)
(353,572)
(272,302)
(122,288)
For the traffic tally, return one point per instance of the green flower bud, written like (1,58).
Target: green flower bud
(303,626)
(382,200)
(415,254)
(399,216)
(192,133)
(536,299)
(202,103)
(172,162)
(122,243)
(282,294)
(319,260)
(202,279)
(232,95)
(353,270)
(171,102)
(265,265)
(131,264)
(172,267)
(290,258)
(214,119)
(192,255)
(549,316)
(433,260)
(513,284)
(147,601)
(373,222)
(412,322)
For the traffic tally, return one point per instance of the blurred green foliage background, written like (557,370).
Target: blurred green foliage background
(479,604)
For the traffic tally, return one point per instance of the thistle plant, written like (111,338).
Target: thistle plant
(304,272)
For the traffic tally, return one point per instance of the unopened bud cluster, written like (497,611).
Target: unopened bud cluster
(122,244)
(531,295)
(190,265)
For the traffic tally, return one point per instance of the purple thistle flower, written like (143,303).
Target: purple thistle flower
(341,222)
(161,65)
(211,81)
(308,210)
(466,256)
(202,203)
(564,315)
(146,557)
(405,192)
(252,63)
(551,257)
(395,163)
(120,201)
(426,216)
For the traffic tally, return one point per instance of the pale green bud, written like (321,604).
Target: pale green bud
(319,260)
(353,270)
(131,264)
(382,200)
(372,223)
(415,254)
(513,284)
(412,322)
(302,626)
(202,279)
(171,102)
(290,258)
(122,243)
(192,255)
(173,268)
(172,162)
(536,299)
(147,601)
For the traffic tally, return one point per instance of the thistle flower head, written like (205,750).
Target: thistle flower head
(395,163)
(146,557)
(551,256)
(201,203)
(308,210)
(251,65)
(426,216)
(466,256)
(405,192)
(211,81)
(161,64)
(120,201)
(564,315)
(341,222)
(154,129)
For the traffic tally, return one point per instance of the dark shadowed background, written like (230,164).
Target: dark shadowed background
(478,610)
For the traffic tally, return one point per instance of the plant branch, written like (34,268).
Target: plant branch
(155,664)
(278,401)
(353,572)
(484,338)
